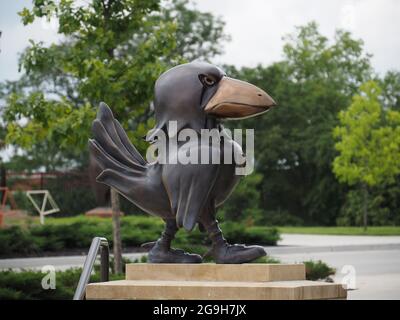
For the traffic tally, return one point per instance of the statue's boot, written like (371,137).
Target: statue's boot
(161,251)
(223,252)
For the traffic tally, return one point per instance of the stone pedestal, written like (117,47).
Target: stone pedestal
(215,282)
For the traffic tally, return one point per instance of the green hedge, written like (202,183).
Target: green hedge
(318,270)
(27,285)
(66,233)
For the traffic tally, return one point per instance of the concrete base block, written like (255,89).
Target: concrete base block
(215,282)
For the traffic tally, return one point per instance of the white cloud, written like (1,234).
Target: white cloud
(257,26)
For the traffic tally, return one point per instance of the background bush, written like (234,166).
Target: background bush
(27,285)
(60,234)
(318,270)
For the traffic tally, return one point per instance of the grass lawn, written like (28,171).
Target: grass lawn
(351,231)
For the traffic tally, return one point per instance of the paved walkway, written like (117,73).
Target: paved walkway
(60,263)
(334,241)
(376,273)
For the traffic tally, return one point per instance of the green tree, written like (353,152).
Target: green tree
(244,204)
(294,147)
(198,34)
(91,65)
(111,51)
(390,85)
(368,143)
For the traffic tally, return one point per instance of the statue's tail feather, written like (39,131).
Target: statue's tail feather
(111,147)
(127,144)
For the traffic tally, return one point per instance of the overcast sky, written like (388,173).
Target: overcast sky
(256,28)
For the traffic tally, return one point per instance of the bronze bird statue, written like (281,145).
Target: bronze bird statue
(196,96)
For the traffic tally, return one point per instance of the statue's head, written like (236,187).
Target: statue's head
(196,94)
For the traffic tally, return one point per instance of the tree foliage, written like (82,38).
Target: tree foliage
(369,140)
(369,153)
(294,143)
(111,51)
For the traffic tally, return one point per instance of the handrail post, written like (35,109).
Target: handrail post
(104,263)
(97,243)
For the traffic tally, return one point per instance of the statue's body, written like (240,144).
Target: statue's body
(197,96)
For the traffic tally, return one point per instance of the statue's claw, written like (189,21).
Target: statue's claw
(161,254)
(237,253)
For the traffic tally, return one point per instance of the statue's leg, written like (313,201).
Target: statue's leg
(162,251)
(223,252)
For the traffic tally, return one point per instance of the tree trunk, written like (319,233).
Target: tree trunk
(117,246)
(365,209)
(3,180)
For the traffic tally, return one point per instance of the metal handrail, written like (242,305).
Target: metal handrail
(97,243)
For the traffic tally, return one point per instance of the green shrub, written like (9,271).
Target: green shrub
(281,218)
(124,262)
(69,236)
(77,233)
(16,240)
(23,202)
(239,233)
(10,294)
(315,270)
(379,213)
(27,285)
(267,259)
(318,270)
(142,259)
(189,238)
(244,202)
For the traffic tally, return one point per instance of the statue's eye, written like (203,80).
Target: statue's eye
(206,80)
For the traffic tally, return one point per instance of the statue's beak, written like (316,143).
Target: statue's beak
(237,99)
